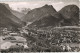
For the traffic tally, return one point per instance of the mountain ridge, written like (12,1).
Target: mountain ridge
(70,18)
(36,13)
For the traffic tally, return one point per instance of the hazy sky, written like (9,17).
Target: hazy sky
(57,4)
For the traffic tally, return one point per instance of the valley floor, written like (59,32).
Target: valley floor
(40,41)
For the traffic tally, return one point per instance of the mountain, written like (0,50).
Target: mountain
(7,19)
(45,21)
(14,12)
(67,16)
(37,13)
(48,20)
(24,10)
(70,14)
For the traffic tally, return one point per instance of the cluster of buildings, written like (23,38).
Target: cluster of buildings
(10,39)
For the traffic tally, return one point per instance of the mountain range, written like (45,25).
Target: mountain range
(44,16)
(47,16)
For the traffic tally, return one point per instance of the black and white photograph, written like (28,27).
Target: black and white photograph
(39,26)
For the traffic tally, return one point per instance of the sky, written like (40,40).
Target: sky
(57,4)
